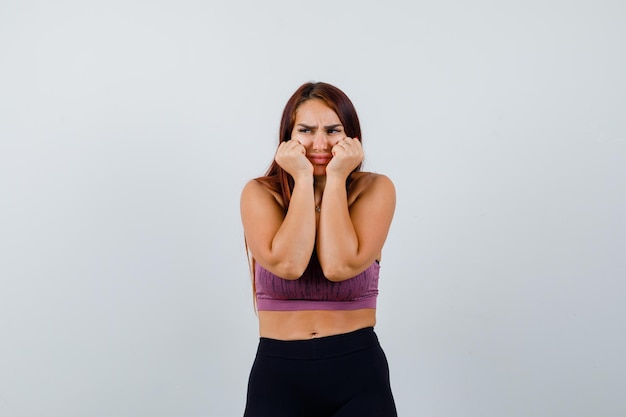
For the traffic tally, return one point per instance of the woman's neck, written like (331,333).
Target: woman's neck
(318,190)
(319,182)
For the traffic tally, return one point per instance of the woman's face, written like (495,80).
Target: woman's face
(318,129)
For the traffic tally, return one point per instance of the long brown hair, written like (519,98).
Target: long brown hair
(276,178)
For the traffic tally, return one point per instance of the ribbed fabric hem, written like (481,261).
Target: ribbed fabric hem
(264,304)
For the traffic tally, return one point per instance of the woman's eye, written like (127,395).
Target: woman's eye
(331,131)
(303,130)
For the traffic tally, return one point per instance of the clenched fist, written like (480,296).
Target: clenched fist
(291,156)
(347,155)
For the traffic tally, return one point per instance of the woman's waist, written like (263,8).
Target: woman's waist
(319,347)
(310,324)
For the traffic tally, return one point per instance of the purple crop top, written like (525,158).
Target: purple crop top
(313,291)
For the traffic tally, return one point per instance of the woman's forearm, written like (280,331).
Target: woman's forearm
(293,243)
(337,240)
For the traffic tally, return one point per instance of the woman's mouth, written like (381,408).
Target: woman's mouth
(320,159)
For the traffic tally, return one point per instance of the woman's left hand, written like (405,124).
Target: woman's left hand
(347,155)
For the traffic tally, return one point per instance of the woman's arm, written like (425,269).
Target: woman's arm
(349,239)
(282,242)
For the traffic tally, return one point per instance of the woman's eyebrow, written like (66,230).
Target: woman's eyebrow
(328,127)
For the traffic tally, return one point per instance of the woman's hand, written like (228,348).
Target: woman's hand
(291,156)
(347,155)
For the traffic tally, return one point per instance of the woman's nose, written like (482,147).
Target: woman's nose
(320,141)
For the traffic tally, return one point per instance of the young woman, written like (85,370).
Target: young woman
(315,226)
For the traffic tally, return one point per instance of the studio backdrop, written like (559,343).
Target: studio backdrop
(128,129)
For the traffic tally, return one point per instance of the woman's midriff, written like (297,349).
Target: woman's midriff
(309,324)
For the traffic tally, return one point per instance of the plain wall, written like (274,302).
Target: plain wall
(128,128)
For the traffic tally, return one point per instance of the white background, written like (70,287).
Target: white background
(128,128)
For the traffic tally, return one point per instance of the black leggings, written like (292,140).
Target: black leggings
(336,376)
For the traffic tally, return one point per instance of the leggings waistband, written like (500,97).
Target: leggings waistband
(319,348)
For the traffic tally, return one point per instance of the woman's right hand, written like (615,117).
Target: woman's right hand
(291,156)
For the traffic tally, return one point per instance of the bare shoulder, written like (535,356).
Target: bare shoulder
(364,183)
(256,192)
(365,179)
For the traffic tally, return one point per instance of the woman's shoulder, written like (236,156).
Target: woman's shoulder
(362,182)
(368,179)
(258,190)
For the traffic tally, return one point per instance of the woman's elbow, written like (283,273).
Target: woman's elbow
(338,273)
(289,270)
